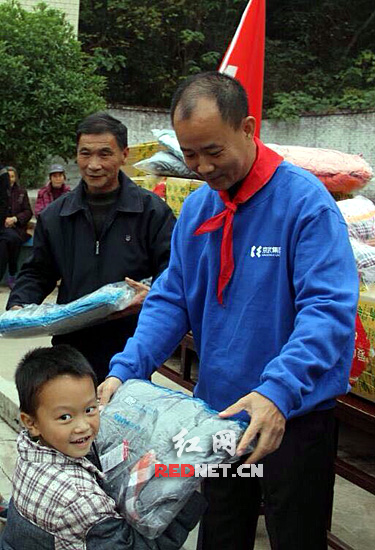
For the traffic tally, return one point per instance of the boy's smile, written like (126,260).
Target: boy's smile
(67,417)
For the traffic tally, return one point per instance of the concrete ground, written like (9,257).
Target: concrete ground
(354,508)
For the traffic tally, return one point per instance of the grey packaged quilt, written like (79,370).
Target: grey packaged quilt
(146,428)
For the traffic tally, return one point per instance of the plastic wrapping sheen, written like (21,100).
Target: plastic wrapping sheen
(138,430)
(51,319)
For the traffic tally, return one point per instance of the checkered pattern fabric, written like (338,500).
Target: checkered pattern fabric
(59,494)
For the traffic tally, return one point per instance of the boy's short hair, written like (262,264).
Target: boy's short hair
(41,365)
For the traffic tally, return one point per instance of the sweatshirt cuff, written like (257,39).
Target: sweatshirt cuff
(121,372)
(279,395)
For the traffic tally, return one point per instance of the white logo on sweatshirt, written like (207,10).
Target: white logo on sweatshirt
(265,251)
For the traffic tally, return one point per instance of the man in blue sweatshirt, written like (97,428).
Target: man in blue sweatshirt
(262,272)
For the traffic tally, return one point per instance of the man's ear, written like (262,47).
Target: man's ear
(30,424)
(125,154)
(248,126)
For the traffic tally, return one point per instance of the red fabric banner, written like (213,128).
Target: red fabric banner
(244,59)
(361,352)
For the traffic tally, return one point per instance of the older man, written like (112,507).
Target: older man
(107,229)
(262,272)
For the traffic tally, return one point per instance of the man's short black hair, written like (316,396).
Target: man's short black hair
(103,123)
(229,94)
(44,364)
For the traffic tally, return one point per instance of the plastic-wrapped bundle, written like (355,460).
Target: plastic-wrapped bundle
(51,319)
(164,163)
(340,172)
(144,425)
(169,140)
(365,259)
(359,214)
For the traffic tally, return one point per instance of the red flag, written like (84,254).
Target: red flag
(244,59)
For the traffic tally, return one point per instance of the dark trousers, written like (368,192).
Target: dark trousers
(10,247)
(297,489)
(100,343)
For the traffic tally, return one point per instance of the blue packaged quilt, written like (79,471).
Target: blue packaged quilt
(146,431)
(51,319)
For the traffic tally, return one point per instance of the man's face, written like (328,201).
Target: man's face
(67,417)
(57,179)
(99,159)
(12,177)
(213,149)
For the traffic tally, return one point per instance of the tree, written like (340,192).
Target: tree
(320,57)
(47,85)
(146,47)
(319,54)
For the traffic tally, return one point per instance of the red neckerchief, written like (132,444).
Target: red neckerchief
(262,170)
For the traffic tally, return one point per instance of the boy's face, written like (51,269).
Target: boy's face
(67,417)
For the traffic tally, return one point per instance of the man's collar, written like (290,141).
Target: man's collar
(129,199)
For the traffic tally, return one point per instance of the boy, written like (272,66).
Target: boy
(57,500)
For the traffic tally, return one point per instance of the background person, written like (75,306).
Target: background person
(55,187)
(106,229)
(4,184)
(13,232)
(263,273)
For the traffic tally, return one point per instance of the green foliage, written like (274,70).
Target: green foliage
(351,89)
(48,84)
(153,44)
(319,55)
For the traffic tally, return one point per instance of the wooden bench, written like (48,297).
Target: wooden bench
(182,368)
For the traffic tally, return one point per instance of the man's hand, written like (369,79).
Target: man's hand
(107,389)
(16,307)
(10,221)
(136,304)
(266,420)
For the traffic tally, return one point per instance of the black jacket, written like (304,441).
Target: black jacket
(19,206)
(135,243)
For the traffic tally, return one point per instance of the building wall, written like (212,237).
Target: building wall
(140,121)
(347,133)
(69,7)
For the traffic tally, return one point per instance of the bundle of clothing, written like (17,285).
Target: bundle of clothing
(359,214)
(340,172)
(52,319)
(145,429)
(169,161)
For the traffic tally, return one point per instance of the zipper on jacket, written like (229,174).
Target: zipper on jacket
(97,248)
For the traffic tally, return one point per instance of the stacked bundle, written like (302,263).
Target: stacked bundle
(359,214)
(340,172)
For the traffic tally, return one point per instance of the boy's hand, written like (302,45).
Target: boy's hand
(107,389)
